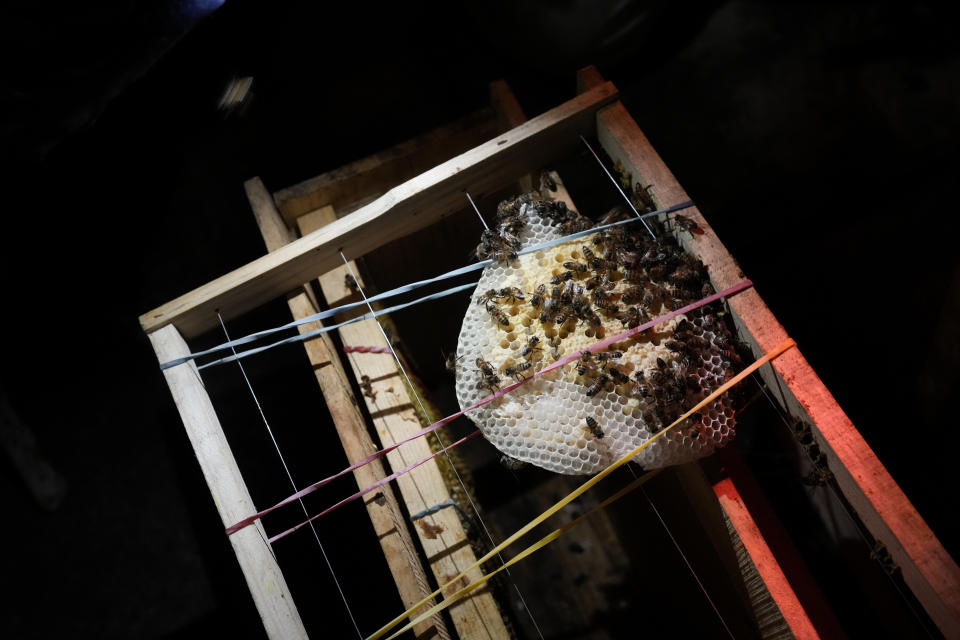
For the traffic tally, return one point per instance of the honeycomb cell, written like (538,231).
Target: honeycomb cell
(542,422)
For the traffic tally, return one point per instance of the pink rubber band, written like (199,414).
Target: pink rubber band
(378,483)
(367,350)
(737,288)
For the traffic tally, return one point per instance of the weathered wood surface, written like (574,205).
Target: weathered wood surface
(442,535)
(345,186)
(766,564)
(264,578)
(509,115)
(927,568)
(402,210)
(382,508)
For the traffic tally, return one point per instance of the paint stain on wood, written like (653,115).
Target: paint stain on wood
(430,531)
(458,584)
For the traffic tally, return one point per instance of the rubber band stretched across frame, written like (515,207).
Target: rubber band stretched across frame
(397,291)
(583,488)
(737,288)
(316,332)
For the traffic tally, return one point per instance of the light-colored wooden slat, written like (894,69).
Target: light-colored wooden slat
(382,508)
(402,210)
(264,578)
(927,568)
(509,115)
(441,534)
(764,561)
(375,174)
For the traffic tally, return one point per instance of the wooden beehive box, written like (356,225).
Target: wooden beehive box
(419,186)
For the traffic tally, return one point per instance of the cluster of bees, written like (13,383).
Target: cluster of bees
(502,242)
(621,274)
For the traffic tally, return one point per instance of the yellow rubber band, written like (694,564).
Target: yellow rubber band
(539,544)
(770,355)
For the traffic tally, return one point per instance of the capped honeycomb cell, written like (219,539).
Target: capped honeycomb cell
(558,301)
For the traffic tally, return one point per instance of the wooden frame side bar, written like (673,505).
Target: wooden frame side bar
(264,578)
(383,510)
(765,562)
(402,210)
(357,181)
(444,540)
(927,568)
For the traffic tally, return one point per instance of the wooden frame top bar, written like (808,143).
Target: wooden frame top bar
(401,211)
(341,188)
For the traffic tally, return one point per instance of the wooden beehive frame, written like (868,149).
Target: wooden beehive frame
(927,569)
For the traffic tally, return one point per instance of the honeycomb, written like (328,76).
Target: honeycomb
(545,422)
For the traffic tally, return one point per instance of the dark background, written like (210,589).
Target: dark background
(819,139)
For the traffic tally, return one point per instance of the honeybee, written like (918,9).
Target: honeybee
(618,376)
(592,283)
(631,317)
(531,346)
(561,277)
(578,267)
(536,298)
(498,314)
(606,356)
(594,428)
(647,301)
(641,390)
(598,384)
(451,361)
(488,297)
(675,345)
(687,224)
(587,315)
(492,382)
(654,255)
(366,384)
(610,308)
(516,371)
(503,255)
(642,196)
(585,363)
(484,367)
(547,181)
(512,463)
(351,283)
(681,275)
(511,293)
(627,259)
(632,295)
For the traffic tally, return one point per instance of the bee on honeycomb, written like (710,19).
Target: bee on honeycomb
(579,293)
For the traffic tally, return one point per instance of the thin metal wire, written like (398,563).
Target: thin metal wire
(841,500)
(686,561)
(292,483)
(476,266)
(416,395)
(475,208)
(617,185)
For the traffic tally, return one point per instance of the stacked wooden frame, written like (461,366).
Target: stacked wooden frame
(486,152)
